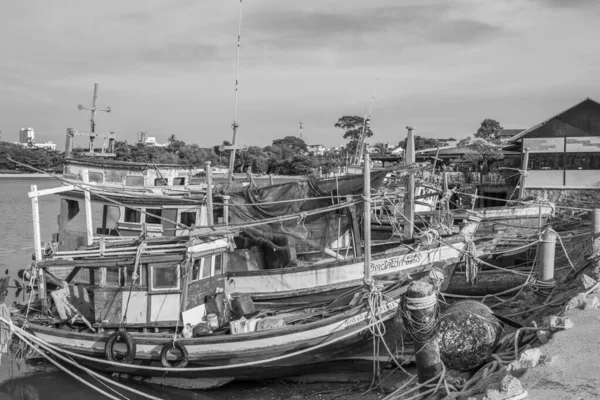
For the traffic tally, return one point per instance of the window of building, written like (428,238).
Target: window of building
(132,215)
(97,177)
(218,261)
(179,181)
(164,277)
(160,182)
(133,180)
(188,218)
(546,161)
(152,214)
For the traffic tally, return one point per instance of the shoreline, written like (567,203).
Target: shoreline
(25,175)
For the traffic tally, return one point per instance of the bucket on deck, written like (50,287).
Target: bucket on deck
(213,321)
(468,333)
(217,304)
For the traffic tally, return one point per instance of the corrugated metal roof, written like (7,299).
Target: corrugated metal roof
(525,132)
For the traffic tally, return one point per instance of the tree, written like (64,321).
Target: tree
(482,153)
(354,127)
(489,130)
(380,147)
(291,142)
(422,143)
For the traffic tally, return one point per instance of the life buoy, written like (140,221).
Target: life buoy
(165,351)
(129,343)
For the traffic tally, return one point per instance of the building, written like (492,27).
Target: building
(316,149)
(564,150)
(27,139)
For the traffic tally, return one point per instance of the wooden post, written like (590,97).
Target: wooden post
(37,244)
(595,217)
(226,209)
(446,204)
(367,215)
(409,196)
(523,180)
(69,142)
(547,250)
(88,208)
(209,195)
(356,242)
(271,179)
(427,354)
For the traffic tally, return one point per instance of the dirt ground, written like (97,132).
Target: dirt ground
(573,369)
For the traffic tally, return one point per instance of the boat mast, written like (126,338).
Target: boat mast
(93,111)
(366,121)
(235,125)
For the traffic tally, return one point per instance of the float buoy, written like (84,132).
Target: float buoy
(129,343)
(165,351)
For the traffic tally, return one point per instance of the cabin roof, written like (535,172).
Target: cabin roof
(106,163)
(138,199)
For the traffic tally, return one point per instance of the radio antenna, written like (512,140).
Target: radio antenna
(366,122)
(235,124)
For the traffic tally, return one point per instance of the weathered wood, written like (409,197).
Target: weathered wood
(409,207)
(209,194)
(523,180)
(357,242)
(226,209)
(37,238)
(595,217)
(88,209)
(367,215)
(55,190)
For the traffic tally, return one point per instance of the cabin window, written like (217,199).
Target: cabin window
(133,180)
(152,214)
(218,264)
(188,218)
(197,181)
(160,182)
(132,215)
(112,277)
(202,267)
(164,277)
(179,181)
(97,177)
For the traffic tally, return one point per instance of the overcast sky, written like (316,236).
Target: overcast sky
(169,66)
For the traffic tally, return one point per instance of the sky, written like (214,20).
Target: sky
(169,67)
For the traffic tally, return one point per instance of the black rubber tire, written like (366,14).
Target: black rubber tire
(165,351)
(129,343)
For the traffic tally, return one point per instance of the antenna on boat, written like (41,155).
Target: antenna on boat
(93,109)
(366,122)
(235,125)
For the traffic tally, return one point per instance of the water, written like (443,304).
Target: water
(20,381)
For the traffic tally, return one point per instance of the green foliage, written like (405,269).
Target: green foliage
(44,159)
(489,130)
(482,153)
(422,143)
(354,127)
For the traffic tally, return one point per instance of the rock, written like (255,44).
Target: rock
(530,358)
(543,336)
(587,282)
(558,323)
(509,388)
(576,302)
(591,303)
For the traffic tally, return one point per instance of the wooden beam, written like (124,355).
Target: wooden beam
(209,195)
(55,190)
(409,208)
(88,209)
(523,180)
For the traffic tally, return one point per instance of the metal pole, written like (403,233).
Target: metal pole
(409,196)
(88,208)
(69,142)
(235,125)
(523,182)
(595,231)
(93,118)
(367,216)
(547,250)
(209,195)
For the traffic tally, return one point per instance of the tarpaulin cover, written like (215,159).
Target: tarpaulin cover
(273,201)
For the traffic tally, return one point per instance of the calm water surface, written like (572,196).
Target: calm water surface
(29,382)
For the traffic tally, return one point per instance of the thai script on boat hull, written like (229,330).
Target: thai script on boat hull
(390,305)
(395,262)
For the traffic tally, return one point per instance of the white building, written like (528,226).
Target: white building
(316,149)
(151,141)
(27,139)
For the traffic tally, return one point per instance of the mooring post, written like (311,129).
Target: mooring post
(547,250)
(421,313)
(595,217)
(226,209)
(367,216)
(271,179)
(69,142)
(209,195)
(409,196)
(85,176)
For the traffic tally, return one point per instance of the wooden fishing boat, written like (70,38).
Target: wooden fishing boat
(309,337)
